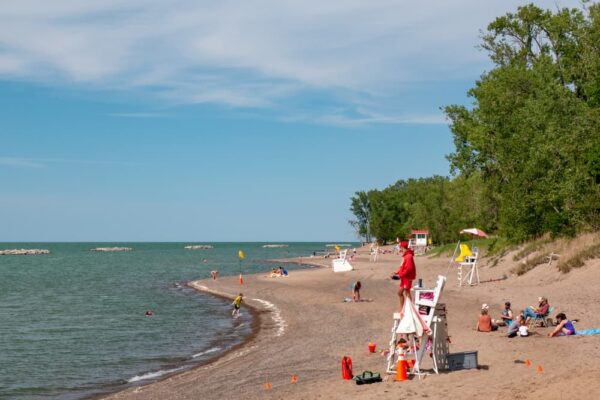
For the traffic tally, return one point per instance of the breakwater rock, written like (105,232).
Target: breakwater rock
(23,252)
(111,249)
(199,247)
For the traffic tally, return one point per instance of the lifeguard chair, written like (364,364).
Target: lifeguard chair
(341,264)
(428,325)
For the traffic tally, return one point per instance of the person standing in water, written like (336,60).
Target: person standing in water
(407,273)
(237,303)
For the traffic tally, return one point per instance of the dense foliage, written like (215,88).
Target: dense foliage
(527,156)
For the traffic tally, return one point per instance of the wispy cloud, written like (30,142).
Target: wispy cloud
(346,120)
(245,54)
(15,162)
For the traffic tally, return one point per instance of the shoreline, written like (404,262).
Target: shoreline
(256,325)
(179,368)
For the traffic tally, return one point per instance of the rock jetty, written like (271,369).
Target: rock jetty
(23,252)
(111,249)
(199,247)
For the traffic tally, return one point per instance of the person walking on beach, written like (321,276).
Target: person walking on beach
(356,291)
(237,303)
(407,273)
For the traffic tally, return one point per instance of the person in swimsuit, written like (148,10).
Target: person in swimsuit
(356,291)
(564,328)
(237,304)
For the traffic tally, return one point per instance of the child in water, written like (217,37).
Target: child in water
(237,303)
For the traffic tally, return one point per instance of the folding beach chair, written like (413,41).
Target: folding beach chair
(541,319)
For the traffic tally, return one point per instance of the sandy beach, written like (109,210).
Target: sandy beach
(304,329)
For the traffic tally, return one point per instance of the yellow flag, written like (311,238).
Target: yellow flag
(464,252)
(337,248)
(241,255)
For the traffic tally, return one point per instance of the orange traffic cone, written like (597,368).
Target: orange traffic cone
(241,280)
(540,369)
(528,363)
(401,368)
(267,386)
(294,379)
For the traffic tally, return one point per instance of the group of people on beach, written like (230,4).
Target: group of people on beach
(520,325)
(278,272)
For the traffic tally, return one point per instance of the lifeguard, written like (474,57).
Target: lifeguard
(407,273)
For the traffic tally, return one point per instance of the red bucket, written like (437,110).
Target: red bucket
(372,347)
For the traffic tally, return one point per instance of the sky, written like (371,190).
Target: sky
(199,121)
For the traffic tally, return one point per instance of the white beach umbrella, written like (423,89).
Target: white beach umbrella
(411,322)
(475,232)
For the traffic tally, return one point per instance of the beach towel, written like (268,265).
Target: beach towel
(594,331)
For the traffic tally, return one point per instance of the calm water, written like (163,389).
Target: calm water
(72,322)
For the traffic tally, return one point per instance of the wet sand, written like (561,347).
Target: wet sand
(304,328)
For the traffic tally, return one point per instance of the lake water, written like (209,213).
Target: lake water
(73,324)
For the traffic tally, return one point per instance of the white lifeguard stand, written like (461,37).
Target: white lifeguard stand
(341,264)
(468,271)
(433,316)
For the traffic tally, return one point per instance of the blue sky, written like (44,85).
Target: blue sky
(223,121)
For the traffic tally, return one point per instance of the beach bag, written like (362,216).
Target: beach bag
(367,377)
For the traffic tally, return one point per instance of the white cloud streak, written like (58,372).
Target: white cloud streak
(245,53)
(15,162)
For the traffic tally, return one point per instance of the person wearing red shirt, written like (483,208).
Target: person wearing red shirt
(407,273)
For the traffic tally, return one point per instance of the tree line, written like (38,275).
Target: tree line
(527,152)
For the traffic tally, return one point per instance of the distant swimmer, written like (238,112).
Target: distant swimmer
(205,260)
(213,274)
(237,303)
(149,313)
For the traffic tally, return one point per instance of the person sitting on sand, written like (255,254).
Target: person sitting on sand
(274,273)
(506,317)
(237,304)
(523,329)
(564,326)
(540,311)
(407,273)
(485,324)
(513,329)
(356,291)
(282,271)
